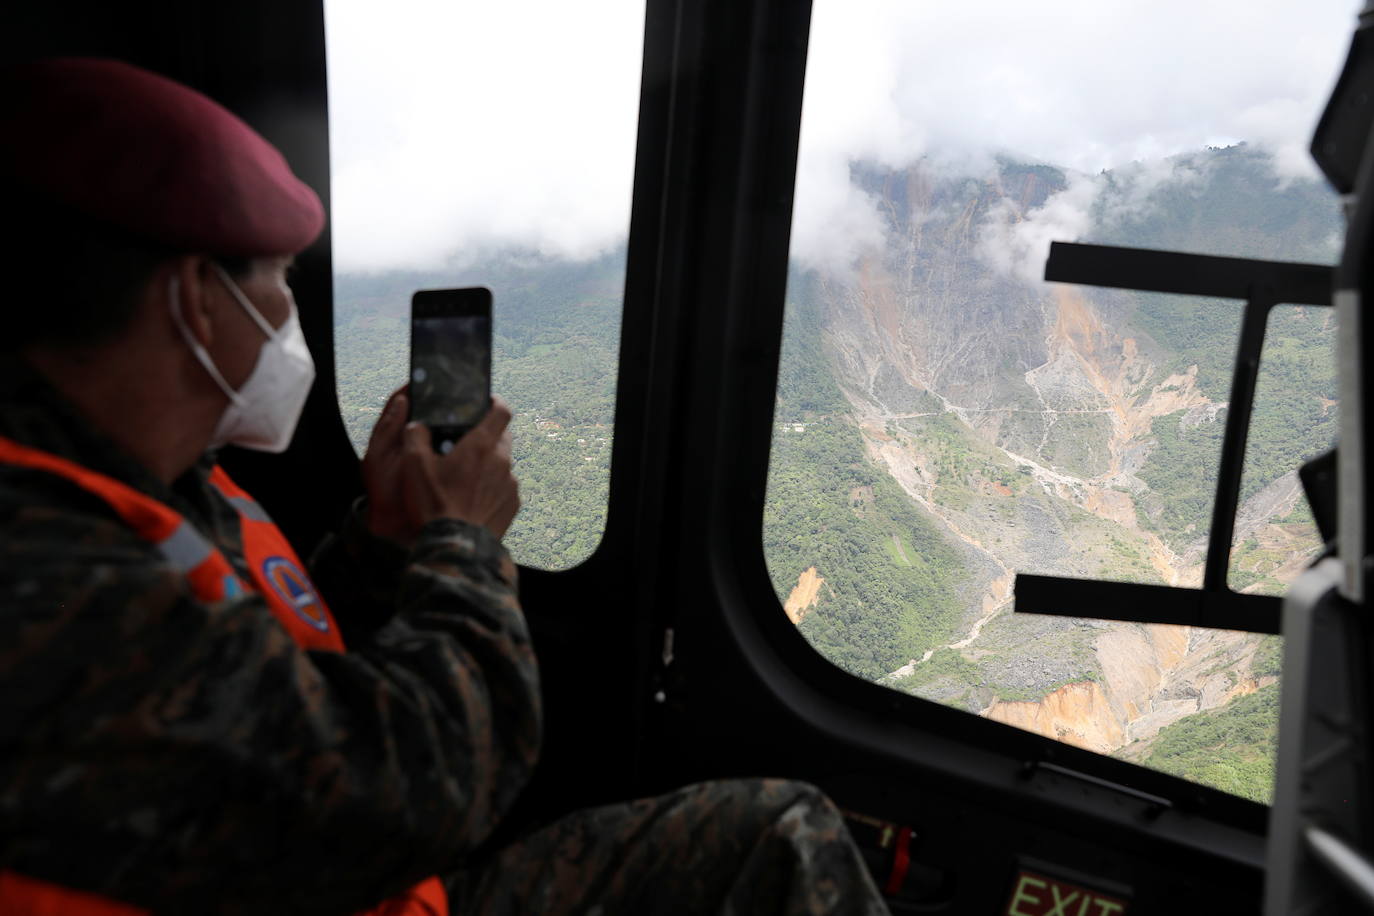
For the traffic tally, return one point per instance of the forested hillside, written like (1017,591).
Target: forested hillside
(890,584)
(1231,748)
(556,335)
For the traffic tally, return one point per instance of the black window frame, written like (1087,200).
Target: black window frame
(738,291)
(705,285)
(706,276)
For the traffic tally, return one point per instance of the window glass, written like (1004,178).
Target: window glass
(945,419)
(478,144)
(1294,421)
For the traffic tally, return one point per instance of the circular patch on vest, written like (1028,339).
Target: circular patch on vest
(295,589)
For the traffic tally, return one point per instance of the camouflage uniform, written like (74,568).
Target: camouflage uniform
(732,847)
(191,758)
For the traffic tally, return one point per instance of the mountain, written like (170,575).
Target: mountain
(1070,431)
(945,420)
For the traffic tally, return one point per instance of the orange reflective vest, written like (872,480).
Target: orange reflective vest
(277,575)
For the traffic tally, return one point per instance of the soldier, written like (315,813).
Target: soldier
(183,728)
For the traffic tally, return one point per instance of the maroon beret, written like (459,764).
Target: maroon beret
(153,157)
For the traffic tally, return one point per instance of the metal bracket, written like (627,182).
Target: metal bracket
(1262,284)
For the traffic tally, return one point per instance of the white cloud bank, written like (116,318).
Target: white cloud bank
(462,127)
(466,127)
(1017,243)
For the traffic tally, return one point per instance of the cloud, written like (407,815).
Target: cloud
(458,128)
(1119,85)
(467,127)
(835,222)
(1018,244)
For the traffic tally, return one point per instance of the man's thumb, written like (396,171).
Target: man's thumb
(416,436)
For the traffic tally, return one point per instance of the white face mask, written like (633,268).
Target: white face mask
(261,415)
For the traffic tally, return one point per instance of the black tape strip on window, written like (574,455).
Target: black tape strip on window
(1262,284)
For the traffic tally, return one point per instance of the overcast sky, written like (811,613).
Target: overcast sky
(463,127)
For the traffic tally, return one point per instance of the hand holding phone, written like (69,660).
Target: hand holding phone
(408,485)
(450,361)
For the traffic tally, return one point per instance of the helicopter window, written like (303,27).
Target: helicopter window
(1294,421)
(460,159)
(946,419)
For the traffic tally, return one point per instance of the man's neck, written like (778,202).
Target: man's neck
(139,401)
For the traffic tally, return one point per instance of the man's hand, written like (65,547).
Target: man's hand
(409,485)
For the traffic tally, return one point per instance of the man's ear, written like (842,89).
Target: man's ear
(186,280)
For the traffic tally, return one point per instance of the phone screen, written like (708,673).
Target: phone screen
(450,374)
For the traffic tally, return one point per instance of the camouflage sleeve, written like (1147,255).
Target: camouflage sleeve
(359,575)
(190,758)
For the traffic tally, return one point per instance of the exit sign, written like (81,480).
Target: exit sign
(1035,894)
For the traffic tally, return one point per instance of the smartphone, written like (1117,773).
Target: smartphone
(450,361)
